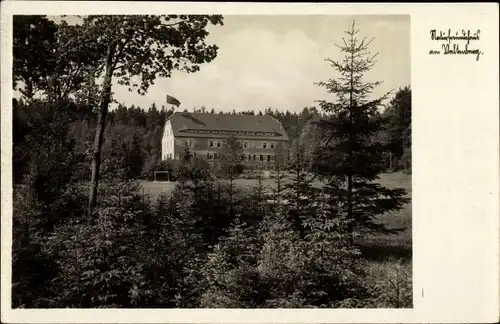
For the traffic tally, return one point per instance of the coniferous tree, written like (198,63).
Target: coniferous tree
(230,165)
(399,127)
(349,159)
(232,279)
(279,177)
(299,191)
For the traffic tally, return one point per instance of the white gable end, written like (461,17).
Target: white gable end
(167,145)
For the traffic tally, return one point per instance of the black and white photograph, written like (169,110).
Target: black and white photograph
(185,161)
(229,162)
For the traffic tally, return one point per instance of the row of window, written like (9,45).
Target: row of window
(214,143)
(246,157)
(169,132)
(264,145)
(230,132)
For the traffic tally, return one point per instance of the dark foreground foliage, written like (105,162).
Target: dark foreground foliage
(189,249)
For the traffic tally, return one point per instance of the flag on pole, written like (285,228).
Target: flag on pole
(172,101)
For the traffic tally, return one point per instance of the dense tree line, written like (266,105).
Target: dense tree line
(126,125)
(208,243)
(145,127)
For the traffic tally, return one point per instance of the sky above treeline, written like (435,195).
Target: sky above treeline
(274,61)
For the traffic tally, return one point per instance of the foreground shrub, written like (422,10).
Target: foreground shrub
(281,270)
(392,284)
(101,263)
(32,272)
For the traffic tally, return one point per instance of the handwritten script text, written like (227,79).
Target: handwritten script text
(456,43)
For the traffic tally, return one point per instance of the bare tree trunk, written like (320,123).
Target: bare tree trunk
(99,133)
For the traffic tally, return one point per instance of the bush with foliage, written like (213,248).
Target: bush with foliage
(101,261)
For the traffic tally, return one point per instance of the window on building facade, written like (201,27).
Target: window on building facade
(272,145)
(245,145)
(264,145)
(262,157)
(268,158)
(218,143)
(211,143)
(190,143)
(254,157)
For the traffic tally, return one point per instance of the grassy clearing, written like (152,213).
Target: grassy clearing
(381,247)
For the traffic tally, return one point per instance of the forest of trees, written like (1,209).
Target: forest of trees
(208,243)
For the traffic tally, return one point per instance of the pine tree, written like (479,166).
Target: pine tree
(230,165)
(399,127)
(231,277)
(349,159)
(279,177)
(299,192)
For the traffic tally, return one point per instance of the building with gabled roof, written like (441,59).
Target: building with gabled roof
(261,137)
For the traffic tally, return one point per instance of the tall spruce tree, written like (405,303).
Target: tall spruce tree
(279,177)
(349,158)
(299,191)
(230,165)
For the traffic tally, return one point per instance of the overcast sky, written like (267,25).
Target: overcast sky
(273,61)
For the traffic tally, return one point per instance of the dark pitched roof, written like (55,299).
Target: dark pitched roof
(184,123)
